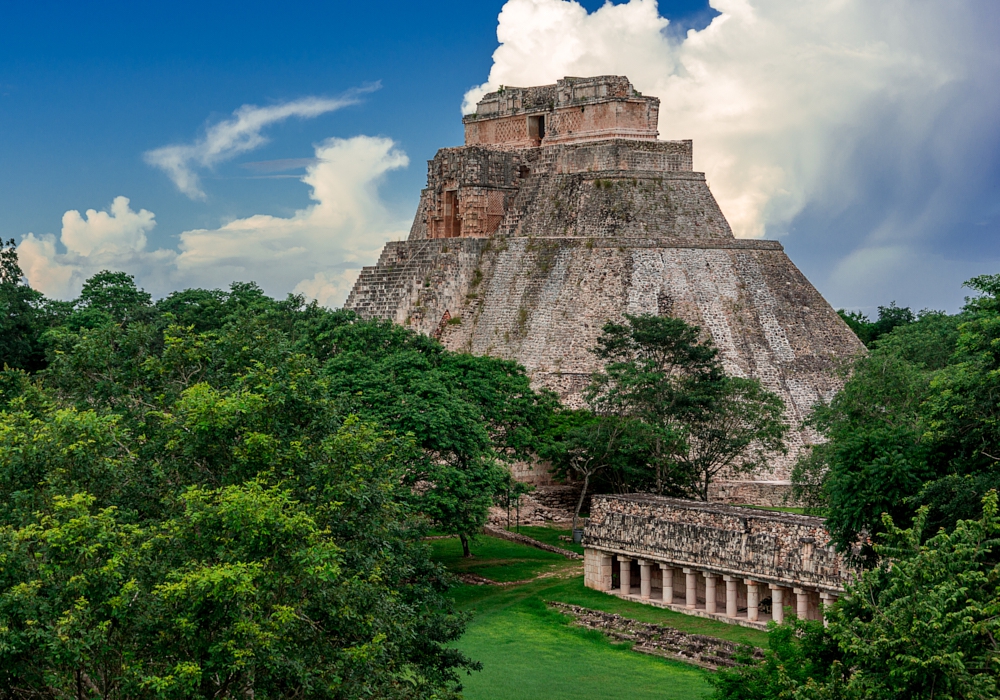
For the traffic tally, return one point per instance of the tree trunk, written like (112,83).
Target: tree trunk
(579,503)
(465,545)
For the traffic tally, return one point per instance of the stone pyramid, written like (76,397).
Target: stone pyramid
(564,211)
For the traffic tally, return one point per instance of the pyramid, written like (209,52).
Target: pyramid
(563,211)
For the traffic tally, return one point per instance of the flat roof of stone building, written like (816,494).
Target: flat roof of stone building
(721,508)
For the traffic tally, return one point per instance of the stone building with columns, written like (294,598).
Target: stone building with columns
(734,564)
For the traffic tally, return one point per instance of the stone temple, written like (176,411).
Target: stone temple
(563,211)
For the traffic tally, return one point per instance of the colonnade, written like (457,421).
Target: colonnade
(808,603)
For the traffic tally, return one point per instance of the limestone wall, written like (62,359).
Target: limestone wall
(573,110)
(543,302)
(777,548)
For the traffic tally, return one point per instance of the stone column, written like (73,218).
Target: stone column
(645,578)
(753,600)
(625,574)
(691,585)
(596,569)
(709,591)
(668,583)
(801,603)
(731,582)
(827,598)
(777,604)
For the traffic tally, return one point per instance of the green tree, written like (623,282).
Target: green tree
(23,315)
(889,318)
(918,409)
(204,472)
(924,623)
(467,414)
(110,296)
(602,450)
(801,659)
(658,371)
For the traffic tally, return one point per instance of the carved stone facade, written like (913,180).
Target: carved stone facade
(739,565)
(528,249)
(571,111)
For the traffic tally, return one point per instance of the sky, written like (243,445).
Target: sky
(194,144)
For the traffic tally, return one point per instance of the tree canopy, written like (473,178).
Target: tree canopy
(700,422)
(916,423)
(923,623)
(221,494)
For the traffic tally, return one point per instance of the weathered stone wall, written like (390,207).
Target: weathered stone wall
(573,110)
(779,548)
(543,302)
(416,283)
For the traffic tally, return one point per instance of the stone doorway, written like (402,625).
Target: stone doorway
(536,128)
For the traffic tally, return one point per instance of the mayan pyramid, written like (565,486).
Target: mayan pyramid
(562,211)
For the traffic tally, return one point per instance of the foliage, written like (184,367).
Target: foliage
(24,315)
(702,422)
(224,495)
(800,656)
(468,415)
(889,318)
(916,423)
(924,623)
(610,450)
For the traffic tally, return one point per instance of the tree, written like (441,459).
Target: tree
(924,623)
(189,513)
(801,657)
(585,446)
(737,434)
(22,315)
(658,371)
(889,318)
(110,296)
(918,409)
(467,414)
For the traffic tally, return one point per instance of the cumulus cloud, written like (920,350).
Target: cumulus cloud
(344,229)
(316,252)
(98,240)
(231,137)
(863,133)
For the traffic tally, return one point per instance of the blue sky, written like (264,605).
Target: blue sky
(86,89)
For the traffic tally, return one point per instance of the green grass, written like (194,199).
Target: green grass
(496,559)
(485,599)
(549,535)
(529,651)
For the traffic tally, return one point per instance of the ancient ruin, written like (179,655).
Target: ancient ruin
(563,211)
(737,565)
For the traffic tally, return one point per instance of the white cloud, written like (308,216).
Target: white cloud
(317,251)
(345,229)
(229,138)
(115,239)
(846,119)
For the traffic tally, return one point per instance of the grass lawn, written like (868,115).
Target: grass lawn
(496,559)
(549,535)
(530,651)
(486,599)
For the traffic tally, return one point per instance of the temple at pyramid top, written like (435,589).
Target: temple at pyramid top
(573,110)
